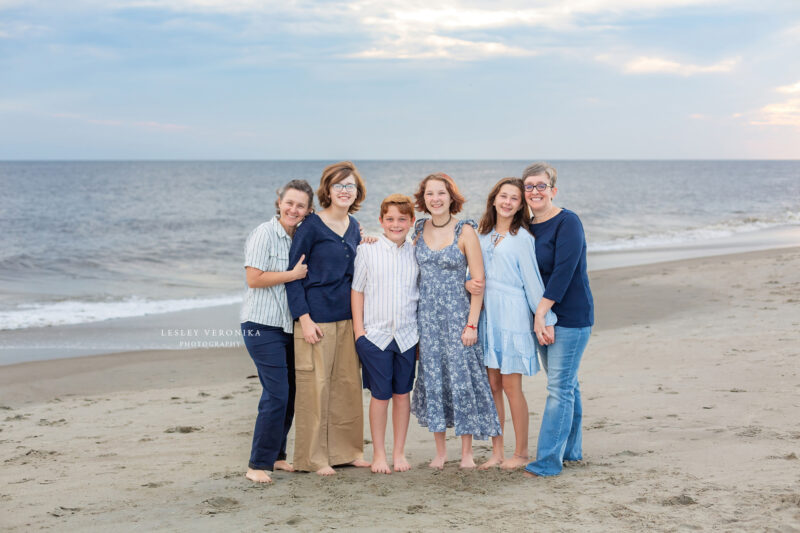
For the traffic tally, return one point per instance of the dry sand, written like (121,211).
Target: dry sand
(692,422)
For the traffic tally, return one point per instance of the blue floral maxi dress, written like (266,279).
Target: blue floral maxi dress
(452,387)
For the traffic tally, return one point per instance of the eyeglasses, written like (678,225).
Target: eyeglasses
(541,187)
(339,187)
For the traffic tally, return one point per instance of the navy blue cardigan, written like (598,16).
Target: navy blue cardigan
(561,256)
(325,291)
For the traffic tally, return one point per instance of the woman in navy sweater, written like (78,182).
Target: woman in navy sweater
(329,425)
(561,256)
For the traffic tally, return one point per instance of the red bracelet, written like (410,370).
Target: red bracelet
(472,327)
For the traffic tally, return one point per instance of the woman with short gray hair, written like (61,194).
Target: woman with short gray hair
(561,257)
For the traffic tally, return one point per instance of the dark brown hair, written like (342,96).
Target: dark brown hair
(298,185)
(334,174)
(402,202)
(456,199)
(489,218)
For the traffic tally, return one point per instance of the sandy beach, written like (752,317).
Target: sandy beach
(691,396)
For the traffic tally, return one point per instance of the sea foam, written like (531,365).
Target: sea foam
(81,312)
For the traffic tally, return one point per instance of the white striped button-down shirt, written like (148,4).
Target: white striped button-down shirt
(387,274)
(267,249)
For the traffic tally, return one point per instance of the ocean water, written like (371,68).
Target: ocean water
(82,242)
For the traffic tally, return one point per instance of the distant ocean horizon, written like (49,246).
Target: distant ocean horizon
(86,241)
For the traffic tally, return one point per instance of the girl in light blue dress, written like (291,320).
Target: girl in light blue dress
(512,292)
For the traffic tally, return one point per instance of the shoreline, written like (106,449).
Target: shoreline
(75,375)
(146,333)
(689,385)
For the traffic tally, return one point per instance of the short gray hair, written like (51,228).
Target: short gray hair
(298,185)
(541,168)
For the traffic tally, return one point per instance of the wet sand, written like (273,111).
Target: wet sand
(691,398)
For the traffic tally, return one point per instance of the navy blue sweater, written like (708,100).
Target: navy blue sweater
(561,255)
(325,291)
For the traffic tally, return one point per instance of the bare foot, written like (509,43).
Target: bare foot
(400,464)
(360,463)
(258,476)
(493,461)
(326,471)
(283,465)
(528,474)
(438,462)
(379,466)
(514,462)
(467,463)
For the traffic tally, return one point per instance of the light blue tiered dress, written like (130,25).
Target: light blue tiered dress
(513,290)
(452,387)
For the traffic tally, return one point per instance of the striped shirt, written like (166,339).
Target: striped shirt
(388,276)
(267,249)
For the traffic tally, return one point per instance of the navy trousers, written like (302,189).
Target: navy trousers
(272,351)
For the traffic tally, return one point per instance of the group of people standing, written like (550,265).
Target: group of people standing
(478,305)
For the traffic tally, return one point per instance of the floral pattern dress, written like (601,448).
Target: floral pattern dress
(452,387)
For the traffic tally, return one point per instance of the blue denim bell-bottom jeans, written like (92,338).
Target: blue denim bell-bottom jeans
(272,351)
(561,437)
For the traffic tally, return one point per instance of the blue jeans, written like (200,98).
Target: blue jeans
(272,351)
(560,438)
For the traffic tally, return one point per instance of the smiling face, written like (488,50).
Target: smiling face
(437,198)
(539,201)
(508,201)
(346,195)
(396,224)
(293,208)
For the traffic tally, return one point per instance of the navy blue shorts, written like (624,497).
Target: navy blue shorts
(386,372)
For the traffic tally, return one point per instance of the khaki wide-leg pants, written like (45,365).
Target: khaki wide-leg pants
(328,416)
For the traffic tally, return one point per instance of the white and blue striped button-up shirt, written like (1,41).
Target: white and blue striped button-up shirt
(267,249)
(388,276)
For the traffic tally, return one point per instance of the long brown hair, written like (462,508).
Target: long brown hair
(489,218)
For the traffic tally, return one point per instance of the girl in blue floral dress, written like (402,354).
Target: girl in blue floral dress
(452,388)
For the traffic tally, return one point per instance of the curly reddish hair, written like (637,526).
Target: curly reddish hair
(456,198)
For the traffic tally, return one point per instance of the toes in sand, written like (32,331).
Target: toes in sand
(437,463)
(258,476)
(283,465)
(400,464)
(380,466)
(493,461)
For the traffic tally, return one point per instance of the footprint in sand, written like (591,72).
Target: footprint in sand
(62,511)
(32,455)
(749,431)
(683,499)
(156,484)
(183,429)
(45,422)
(220,504)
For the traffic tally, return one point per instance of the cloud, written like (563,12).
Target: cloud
(786,113)
(789,89)
(18,30)
(658,65)
(149,124)
(698,116)
(414,30)
(440,47)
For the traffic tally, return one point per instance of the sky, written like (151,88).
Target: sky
(399,79)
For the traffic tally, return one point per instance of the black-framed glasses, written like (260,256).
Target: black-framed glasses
(541,187)
(339,187)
